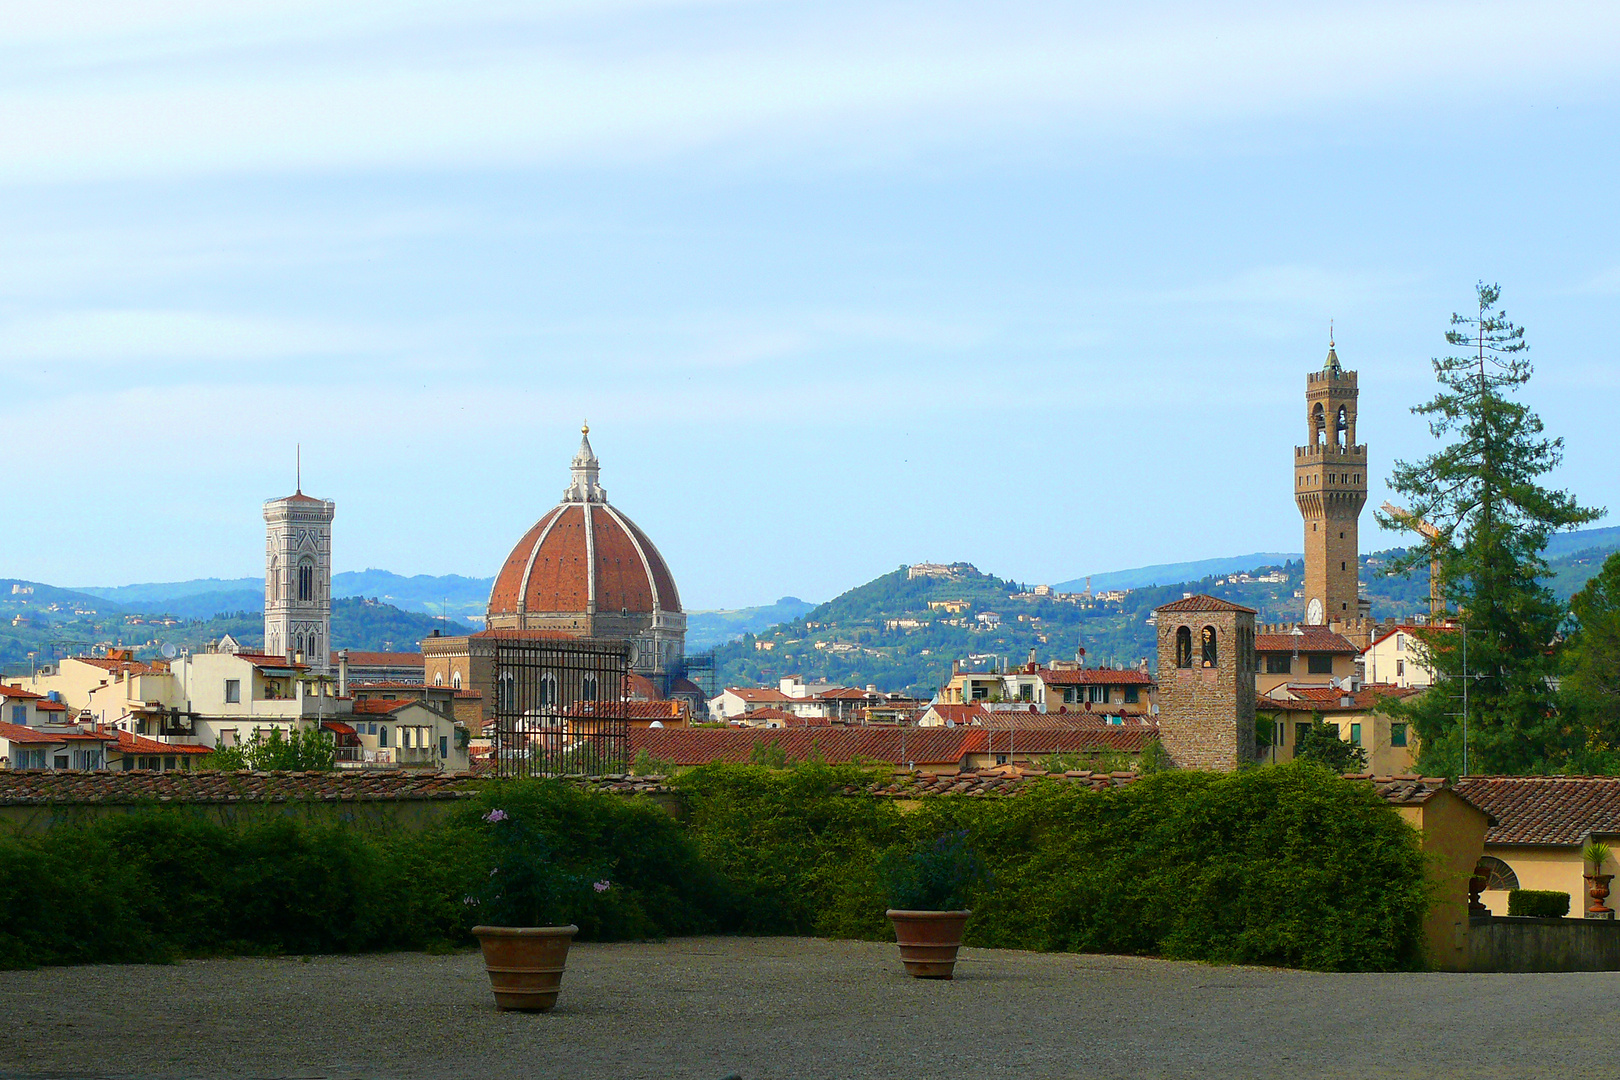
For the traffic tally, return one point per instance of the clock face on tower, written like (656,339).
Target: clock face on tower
(1313,614)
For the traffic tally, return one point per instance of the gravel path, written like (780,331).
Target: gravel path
(703,1008)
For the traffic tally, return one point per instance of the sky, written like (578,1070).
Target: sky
(838,286)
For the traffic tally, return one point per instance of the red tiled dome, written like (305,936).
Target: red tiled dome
(584,557)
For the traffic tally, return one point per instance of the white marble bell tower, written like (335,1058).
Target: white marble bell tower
(298,578)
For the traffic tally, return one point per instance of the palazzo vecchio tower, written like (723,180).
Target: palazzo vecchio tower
(1330,487)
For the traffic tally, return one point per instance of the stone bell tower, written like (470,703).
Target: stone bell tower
(298,578)
(1206,682)
(1330,487)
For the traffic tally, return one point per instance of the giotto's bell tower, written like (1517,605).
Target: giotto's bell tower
(298,578)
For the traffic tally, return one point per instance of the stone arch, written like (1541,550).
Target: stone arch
(1184,647)
(1318,425)
(1208,647)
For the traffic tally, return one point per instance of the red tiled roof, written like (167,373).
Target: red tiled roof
(126,667)
(50,706)
(37,786)
(1401,628)
(1317,639)
(130,743)
(1326,699)
(1558,810)
(926,746)
(1096,676)
(338,726)
(382,706)
(18,733)
(758,693)
(770,714)
(17,693)
(841,693)
(393,684)
(1203,602)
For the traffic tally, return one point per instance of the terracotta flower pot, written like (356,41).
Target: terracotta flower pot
(1598,890)
(928,940)
(525,964)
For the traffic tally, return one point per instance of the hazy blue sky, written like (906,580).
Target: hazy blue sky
(838,285)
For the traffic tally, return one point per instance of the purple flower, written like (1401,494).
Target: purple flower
(496,815)
(602,886)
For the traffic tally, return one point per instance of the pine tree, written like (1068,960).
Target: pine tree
(1491,520)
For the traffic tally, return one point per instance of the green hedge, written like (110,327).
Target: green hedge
(1538,903)
(1279,865)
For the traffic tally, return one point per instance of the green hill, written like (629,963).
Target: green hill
(886,633)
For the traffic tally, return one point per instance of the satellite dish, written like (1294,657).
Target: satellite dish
(169,651)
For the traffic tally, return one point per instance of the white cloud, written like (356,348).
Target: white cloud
(145,337)
(513,85)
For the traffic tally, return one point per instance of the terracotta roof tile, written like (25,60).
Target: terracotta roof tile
(1317,639)
(36,786)
(17,693)
(1327,699)
(1561,810)
(1203,602)
(1096,677)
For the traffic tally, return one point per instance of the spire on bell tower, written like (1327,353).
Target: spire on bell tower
(585,487)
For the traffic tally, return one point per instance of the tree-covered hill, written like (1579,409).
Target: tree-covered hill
(885,632)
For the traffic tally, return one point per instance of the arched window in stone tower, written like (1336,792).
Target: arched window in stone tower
(1209,653)
(306,579)
(1318,424)
(1341,427)
(1183,647)
(587,688)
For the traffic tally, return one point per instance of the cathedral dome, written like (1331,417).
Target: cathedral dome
(582,559)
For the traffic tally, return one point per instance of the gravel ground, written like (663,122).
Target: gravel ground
(704,1008)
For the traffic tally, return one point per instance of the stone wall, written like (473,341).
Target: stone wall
(1507,943)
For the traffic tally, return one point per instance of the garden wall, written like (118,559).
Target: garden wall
(1510,943)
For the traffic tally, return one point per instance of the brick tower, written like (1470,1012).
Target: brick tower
(1330,486)
(1206,682)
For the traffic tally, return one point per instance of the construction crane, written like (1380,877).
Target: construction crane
(1437,595)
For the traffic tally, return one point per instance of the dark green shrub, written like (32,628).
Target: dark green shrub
(1538,903)
(935,877)
(800,855)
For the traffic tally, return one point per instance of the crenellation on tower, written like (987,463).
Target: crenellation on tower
(1330,488)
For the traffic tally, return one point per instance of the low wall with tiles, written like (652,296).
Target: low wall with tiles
(37,800)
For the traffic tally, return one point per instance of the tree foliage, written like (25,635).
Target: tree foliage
(304,749)
(1491,519)
(1590,692)
(1321,743)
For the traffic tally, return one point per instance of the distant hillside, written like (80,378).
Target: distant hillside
(886,631)
(706,629)
(203,597)
(1170,573)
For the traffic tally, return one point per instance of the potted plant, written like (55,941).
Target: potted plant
(526,903)
(1595,855)
(928,889)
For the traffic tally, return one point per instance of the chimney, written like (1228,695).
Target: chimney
(343,673)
